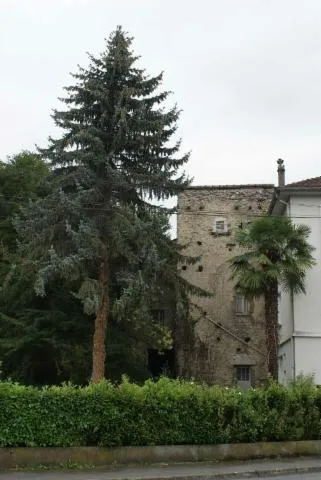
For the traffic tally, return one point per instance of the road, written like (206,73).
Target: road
(102,476)
(108,476)
(193,471)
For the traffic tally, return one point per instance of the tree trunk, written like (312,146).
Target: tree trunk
(99,350)
(271,326)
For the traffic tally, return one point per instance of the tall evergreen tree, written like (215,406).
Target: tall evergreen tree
(115,158)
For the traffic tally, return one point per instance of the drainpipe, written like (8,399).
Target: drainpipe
(288,213)
(294,362)
(292,313)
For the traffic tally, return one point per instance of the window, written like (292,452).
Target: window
(241,304)
(158,316)
(220,225)
(243,374)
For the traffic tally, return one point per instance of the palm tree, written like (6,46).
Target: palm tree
(277,254)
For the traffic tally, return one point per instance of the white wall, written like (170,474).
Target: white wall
(307,308)
(300,317)
(285,316)
(308,357)
(286,363)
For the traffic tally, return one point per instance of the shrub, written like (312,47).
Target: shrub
(167,412)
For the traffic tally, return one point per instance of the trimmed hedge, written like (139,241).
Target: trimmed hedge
(164,413)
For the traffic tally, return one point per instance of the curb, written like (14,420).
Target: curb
(237,475)
(149,455)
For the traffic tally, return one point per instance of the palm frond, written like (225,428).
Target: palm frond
(275,250)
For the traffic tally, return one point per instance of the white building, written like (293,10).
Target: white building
(300,315)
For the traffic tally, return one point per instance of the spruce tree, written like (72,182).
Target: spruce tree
(115,159)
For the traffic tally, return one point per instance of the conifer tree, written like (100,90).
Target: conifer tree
(115,159)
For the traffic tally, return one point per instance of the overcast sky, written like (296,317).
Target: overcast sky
(246,73)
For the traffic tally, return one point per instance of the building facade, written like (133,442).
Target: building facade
(300,314)
(223,341)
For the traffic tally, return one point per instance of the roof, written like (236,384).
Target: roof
(308,187)
(229,187)
(308,183)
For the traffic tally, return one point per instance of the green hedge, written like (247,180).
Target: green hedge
(164,413)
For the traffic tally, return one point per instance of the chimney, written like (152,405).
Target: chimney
(281,172)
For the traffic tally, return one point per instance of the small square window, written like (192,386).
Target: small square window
(220,225)
(242,374)
(241,304)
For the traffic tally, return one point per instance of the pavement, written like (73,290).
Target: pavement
(307,468)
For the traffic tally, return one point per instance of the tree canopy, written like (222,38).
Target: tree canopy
(276,250)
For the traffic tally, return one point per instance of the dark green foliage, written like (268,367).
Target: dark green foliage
(41,340)
(168,412)
(44,340)
(21,179)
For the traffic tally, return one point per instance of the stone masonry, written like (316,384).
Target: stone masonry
(224,341)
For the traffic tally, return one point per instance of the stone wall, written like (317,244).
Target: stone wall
(23,457)
(211,345)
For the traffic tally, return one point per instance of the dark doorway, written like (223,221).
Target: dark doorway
(161,362)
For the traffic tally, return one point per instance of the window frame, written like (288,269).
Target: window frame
(241,300)
(223,222)
(243,373)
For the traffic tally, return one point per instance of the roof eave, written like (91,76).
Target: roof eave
(282,194)
(229,187)
(299,190)
(278,203)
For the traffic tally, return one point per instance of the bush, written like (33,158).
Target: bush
(164,413)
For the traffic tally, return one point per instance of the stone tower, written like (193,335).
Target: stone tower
(225,343)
